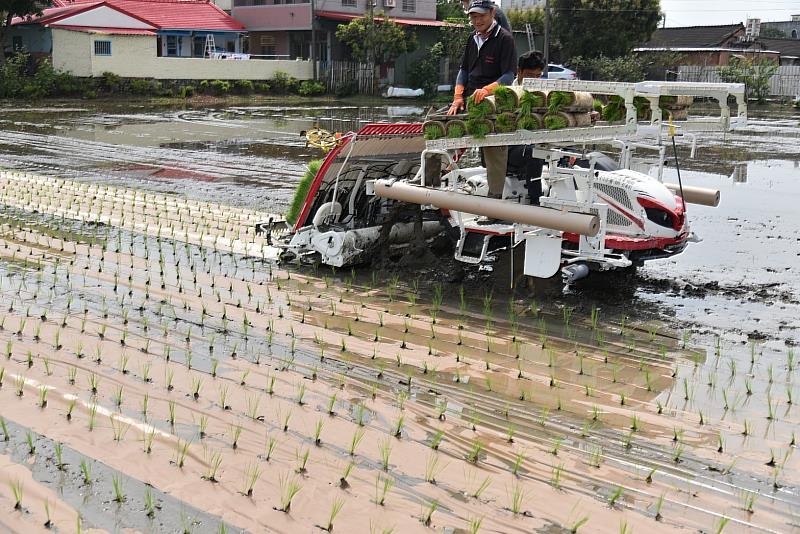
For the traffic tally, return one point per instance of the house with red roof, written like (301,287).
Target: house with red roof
(284,28)
(167,39)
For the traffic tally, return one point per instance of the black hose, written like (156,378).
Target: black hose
(678,168)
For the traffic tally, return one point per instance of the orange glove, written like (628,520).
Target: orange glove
(483,92)
(458,101)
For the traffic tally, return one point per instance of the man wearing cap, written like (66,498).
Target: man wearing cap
(499,15)
(489,61)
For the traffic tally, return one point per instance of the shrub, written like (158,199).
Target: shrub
(262,87)
(163,89)
(282,83)
(186,91)
(348,88)
(140,86)
(11,75)
(424,73)
(243,87)
(618,69)
(754,74)
(90,94)
(203,86)
(220,87)
(111,82)
(310,88)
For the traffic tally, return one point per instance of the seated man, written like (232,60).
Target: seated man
(521,163)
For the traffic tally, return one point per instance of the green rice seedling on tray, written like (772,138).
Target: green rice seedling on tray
(505,123)
(433,130)
(505,99)
(531,101)
(455,129)
(482,110)
(302,191)
(529,122)
(477,128)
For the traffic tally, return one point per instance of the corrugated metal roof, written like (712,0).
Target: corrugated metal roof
(692,36)
(163,14)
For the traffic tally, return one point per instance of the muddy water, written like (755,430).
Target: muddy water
(246,156)
(734,295)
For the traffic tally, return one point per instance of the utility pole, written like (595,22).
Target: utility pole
(313,42)
(546,37)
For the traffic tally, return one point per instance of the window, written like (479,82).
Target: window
(268,45)
(409,6)
(349,3)
(173,45)
(16,43)
(102,48)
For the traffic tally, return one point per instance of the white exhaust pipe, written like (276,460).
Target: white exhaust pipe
(577,223)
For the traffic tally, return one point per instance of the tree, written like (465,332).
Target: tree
(451,10)
(534,16)
(612,28)
(753,73)
(774,33)
(16,8)
(375,41)
(453,38)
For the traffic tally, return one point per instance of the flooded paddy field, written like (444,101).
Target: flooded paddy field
(160,372)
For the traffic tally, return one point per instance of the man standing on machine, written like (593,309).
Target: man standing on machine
(489,61)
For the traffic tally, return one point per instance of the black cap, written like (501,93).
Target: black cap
(481,6)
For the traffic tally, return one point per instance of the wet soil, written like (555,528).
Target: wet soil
(683,369)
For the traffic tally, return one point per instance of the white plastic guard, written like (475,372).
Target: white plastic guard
(542,253)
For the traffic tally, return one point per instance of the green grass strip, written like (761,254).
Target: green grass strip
(302,191)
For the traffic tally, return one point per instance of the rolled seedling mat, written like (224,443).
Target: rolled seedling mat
(479,128)
(562,119)
(505,122)
(485,109)
(455,128)
(506,98)
(675,102)
(532,101)
(433,129)
(570,101)
(531,121)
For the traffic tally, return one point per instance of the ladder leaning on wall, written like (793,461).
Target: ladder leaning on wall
(210,47)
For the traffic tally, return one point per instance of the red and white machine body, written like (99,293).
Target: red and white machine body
(384,188)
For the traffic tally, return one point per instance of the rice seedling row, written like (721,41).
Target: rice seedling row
(229,366)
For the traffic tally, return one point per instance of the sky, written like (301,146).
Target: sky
(709,12)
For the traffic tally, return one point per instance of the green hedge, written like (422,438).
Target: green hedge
(23,76)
